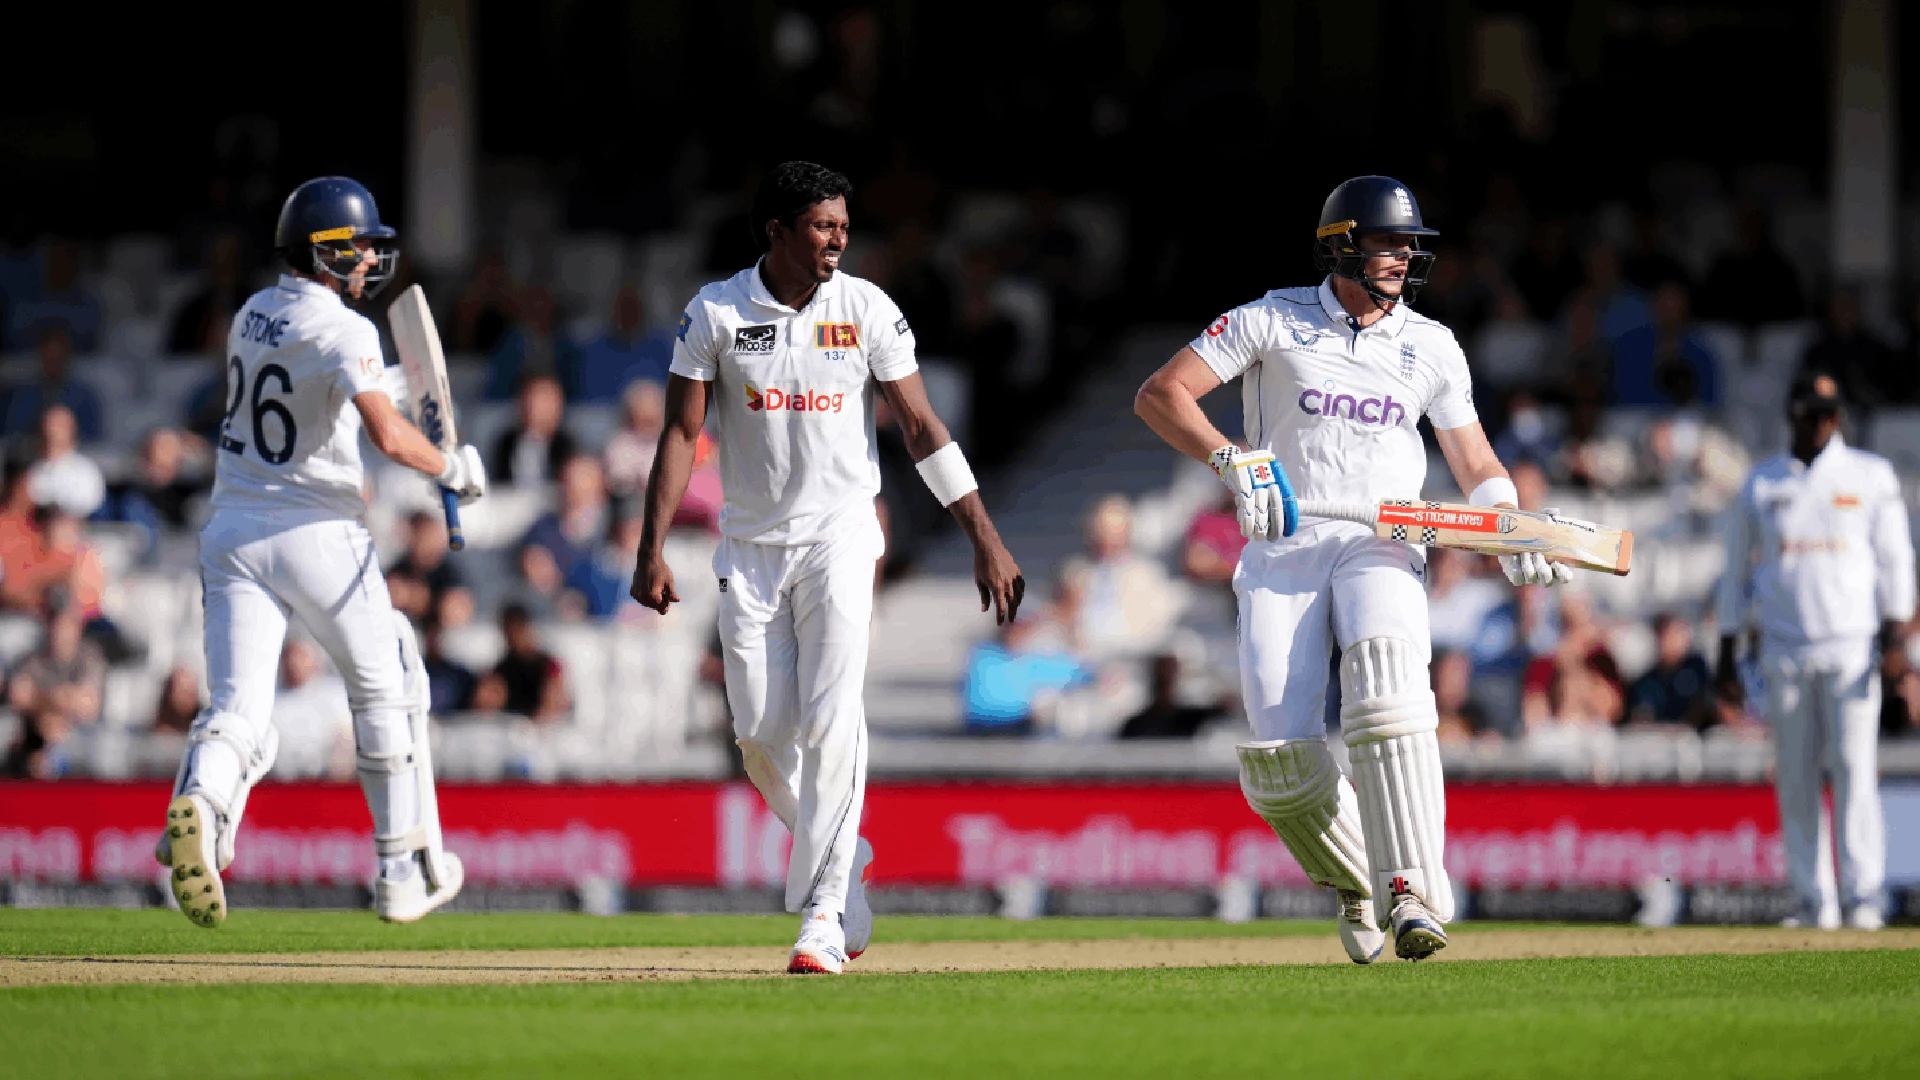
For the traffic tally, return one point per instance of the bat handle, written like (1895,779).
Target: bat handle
(450,502)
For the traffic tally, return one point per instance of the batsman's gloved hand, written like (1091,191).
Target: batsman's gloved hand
(1262,497)
(1532,568)
(464,475)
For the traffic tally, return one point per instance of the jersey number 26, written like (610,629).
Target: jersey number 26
(262,408)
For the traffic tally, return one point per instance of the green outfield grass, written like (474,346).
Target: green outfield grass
(1805,1014)
(85,932)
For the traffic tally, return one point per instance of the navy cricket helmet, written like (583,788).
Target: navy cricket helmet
(319,226)
(1376,205)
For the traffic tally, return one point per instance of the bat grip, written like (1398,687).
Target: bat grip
(1362,513)
(450,502)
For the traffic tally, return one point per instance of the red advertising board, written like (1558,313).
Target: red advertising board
(1088,834)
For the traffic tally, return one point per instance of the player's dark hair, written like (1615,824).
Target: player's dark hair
(786,193)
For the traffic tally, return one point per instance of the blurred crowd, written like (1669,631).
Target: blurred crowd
(1620,351)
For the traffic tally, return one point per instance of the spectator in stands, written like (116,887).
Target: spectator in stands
(1579,356)
(531,452)
(60,569)
(1871,373)
(1578,682)
(542,588)
(604,578)
(423,576)
(1648,264)
(1164,717)
(485,310)
(1678,689)
(1699,464)
(1125,599)
(533,346)
(1529,436)
(19,525)
(624,354)
(179,702)
(202,322)
(26,403)
(527,681)
(311,714)
(1754,283)
(921,288)
(450,685)
(157,498)
(1457,292)
(1665,363)
(1591,458)
(1470,613)
(62,475)
(1548,271)
(630,450)
(574,527)
(58,299)
(987,341)
(1211,549)
(1508,352)
(1461,718)
(1006,680)
(1617,306)
(59,686)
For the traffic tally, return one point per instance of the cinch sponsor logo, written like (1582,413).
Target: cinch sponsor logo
(1330,402)
(774,399)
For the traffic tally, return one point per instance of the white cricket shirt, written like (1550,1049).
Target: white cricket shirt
(792,400)
(1819,554)
(1338,405)
(290,444)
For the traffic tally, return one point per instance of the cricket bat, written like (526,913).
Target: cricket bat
(1492,530)
(425,365)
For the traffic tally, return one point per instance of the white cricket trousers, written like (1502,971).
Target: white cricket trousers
(794,624)
(1328,586)
(255,574)
(1826,727)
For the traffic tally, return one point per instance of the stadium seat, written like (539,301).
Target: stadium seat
(583,656)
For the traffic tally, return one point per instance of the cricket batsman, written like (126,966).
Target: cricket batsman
(787,355)
(1818,554)
(287,539)
(1336,378)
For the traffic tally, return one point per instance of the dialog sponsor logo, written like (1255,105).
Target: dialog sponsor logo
(773,399)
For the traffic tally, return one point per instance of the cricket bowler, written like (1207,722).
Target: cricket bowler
(1336,376)
(787,355)
(287,538)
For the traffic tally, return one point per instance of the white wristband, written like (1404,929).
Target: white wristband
(947,475)
(1494,491)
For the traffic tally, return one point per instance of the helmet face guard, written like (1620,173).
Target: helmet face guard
(335,254)
(1337,251)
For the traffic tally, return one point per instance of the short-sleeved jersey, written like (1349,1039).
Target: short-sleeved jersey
(290,444)
(1818,555)
(1338,405)
(792,400)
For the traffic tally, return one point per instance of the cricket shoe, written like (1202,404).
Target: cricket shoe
(1416,932)
(1809,918)
(412,897)
(1364,940)
(192,839)
(1866,917)
(822,948)
(858,920)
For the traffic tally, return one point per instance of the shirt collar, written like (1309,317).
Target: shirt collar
(297,284)
(1391,322)
(1827,453)
(758,292)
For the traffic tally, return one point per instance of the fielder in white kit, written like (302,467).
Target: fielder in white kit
(286,538)
(787,354)
(1818,554)
(1335,379)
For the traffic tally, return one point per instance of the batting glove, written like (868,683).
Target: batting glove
(464,475)
(1532,568)
(1262,497)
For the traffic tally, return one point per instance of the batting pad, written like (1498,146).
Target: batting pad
(1388,722)
(1296,787)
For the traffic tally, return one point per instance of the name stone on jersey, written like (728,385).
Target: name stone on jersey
(755,339)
